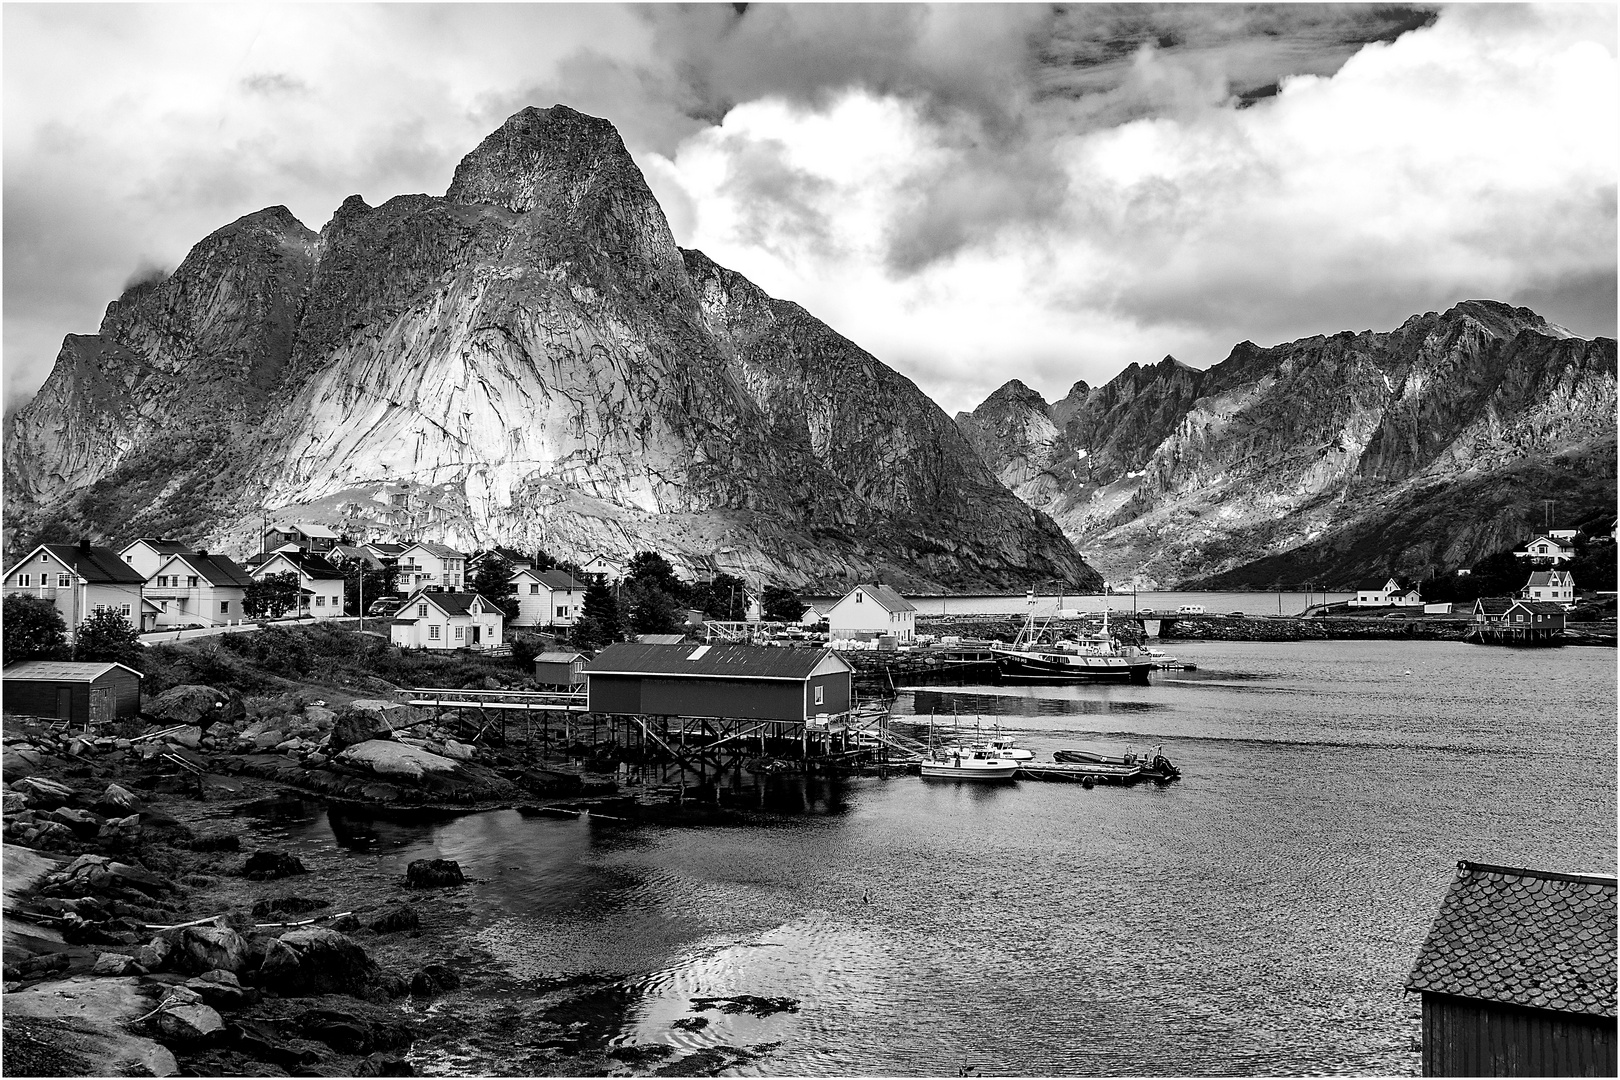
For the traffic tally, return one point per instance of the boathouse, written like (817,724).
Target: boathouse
(80,693)
(1504,620)
(559,668)
(742,682)
(1518,975)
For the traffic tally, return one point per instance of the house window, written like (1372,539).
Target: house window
(61,581)
(320,601)
(533,590)
(433,632)
(224,607)
(191,582)
(562,612)
(821,694)
(163,605)
(460,633)
(857,598)
(124,611)
(421,611)
(24,580)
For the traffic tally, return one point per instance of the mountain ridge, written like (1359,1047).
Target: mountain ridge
(529,360)
(1276,465)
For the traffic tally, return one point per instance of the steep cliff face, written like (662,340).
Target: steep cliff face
(529,360)
(1329,458)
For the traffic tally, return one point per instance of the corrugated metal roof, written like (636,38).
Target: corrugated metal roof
(661,639)
(1523,937)
(556,579)
(1540,607)
(312,566)
(62,670)
(1493,605)
(218,569)
(437,550)
(733,661)
(559,657)
(885,597)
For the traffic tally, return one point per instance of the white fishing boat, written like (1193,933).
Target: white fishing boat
(974,762)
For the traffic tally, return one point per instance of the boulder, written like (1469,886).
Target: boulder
(189,737)
(356,725)
(288,905)
(460,751)
(124,832)
(117,800)
(267,740)
(14,802)
(100,1011)
(206,948)
(154,955)
(388,758)
(189,1024)
(270,865)
(433,873)
(396,919)
(52,834)
(430,980)
(193,704)
(319,716)
(315,761)
(43,794)
(114,964)
(80,821)
(315,960)
(79,746)
(220,990)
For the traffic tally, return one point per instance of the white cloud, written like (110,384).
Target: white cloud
(1476,157)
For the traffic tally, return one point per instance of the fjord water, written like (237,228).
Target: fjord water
(1256,917)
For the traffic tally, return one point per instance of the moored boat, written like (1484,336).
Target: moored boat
(967,763)
(1153,764)
(1039,653)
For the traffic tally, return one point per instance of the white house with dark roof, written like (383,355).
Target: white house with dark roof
(1386,592)
(150,552)
(384,552)
(1553,586)
(447,620)
(343,554)
(511,556)
(305,535)
(873,609)
(1547,547)
(196,588)
(320,584)
(547,598)
(428,565)
(603,568)
(80,580)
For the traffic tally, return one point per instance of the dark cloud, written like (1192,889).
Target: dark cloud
(270,83)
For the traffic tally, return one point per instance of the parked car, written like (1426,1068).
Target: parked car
(385,606)
(1237,615)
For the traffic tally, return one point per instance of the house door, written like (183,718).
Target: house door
(101,705)
(64,703)
(475,632)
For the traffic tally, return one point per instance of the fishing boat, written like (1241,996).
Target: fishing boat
(967,763)
(964,762)
(999,744)
(1041,653)
(1152,763)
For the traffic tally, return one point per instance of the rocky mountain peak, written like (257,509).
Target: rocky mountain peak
(1015,393)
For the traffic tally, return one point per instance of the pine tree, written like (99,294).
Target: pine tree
(598,623)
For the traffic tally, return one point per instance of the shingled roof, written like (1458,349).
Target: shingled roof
(1523,937)
(709,661)
(1493,605)
(97,565)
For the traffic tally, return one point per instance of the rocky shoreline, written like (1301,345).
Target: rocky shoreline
(148,931)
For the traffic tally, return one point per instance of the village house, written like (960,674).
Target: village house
(342,555)
(1548,548)
(602,569)
(1556,586)
(512,557)
(873,610)
(1517,975)
(547,598)
(424,565)
(1386,592)
(1504,619)
(81,580)
(320,584)
(150,552)
(447,620)
(82,693)
(304,535)
(385,552)
(198,588)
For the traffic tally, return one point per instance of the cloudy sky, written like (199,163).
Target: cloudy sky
(973,193)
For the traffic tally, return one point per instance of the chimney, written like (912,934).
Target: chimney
(84,546)
(202,554)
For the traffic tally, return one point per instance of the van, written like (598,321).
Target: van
(1190,609)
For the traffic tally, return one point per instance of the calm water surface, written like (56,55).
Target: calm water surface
(1257,917)
(1249,603)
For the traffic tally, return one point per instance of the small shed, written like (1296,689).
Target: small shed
(742,682)
(1518,975)
(80,693)
(560,668)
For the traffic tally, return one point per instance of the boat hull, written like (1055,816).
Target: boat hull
(967,769)
(1032,666)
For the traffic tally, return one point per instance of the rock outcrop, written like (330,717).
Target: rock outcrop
(529,360)
(1322,460)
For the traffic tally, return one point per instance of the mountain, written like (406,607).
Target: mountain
(529,360)
(1322,460)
